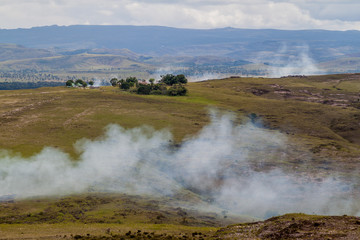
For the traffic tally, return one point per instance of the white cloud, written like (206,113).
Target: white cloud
(280,14)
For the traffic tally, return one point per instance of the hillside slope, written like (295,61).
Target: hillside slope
(237,147)
(295,226)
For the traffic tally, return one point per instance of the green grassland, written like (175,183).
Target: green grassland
(319,115)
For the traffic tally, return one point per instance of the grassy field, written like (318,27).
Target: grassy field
(319,115)
(105,215)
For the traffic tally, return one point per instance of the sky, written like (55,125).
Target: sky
(200,14)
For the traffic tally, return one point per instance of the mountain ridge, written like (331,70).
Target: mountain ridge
(157,40)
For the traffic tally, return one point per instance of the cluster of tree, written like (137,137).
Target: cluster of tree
(27,85)
(168,85)
(78,83)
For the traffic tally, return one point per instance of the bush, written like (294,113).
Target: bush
(144,89)
(159,86)
(177,90)
(125,86)
(156,92)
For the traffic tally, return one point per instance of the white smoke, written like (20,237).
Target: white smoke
(217,164)
(100,82)
(200,76)
(163,71)
(206,76)
(298,62)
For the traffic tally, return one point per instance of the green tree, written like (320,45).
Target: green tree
(170,79)
(114,82)
(80,83)
(132,81)
(181,79)
(91,83)
(151,80)
(177,90)
(144,89)
(125,86)
(69,83)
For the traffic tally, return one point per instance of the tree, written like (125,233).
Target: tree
(170,79)
(144,89)
(132,81)
(80,83)
(181,79)
(114,82)
(125,86)
(69,83)
(91,83)
(151,80)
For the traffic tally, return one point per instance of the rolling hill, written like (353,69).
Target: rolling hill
(170,167)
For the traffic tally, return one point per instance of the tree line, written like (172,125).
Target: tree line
(171,85)
(78,83)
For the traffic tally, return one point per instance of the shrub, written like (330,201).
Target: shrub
(144,89)
(156,92)
(177,90)
(125,86)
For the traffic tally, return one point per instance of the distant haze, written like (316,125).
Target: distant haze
(199,54)
(246,44)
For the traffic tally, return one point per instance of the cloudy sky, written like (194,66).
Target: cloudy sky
(279,14)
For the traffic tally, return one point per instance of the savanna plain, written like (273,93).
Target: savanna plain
(102,163)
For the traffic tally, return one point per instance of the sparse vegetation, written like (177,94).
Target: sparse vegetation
(322,138)
(175,83)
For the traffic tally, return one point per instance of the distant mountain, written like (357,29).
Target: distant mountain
(247,44)
(16,52)
(23,62)
(128,50)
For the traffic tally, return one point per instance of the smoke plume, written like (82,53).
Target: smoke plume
(98,82)
(217,164)
(295,61)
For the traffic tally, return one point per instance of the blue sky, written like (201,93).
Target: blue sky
(278,14)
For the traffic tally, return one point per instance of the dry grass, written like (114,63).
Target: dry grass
(58,117)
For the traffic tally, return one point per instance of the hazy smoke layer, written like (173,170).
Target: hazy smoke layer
(206,76)
(217,164)
(298,62)
(101,82)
